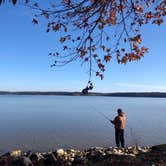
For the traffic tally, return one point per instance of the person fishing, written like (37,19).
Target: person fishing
(119,124)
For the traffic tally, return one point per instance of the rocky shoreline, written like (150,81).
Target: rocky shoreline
(97,156)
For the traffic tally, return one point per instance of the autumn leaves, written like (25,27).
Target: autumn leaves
(96,32)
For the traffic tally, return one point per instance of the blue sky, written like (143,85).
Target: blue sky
(25,64)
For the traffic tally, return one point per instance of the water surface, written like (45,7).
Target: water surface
(48,122)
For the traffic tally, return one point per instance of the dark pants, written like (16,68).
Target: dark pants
(119,137)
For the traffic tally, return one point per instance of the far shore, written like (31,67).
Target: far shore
(113,94)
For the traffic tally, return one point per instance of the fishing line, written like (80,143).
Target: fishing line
(102,114)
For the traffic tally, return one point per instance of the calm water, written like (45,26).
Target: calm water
(48,122)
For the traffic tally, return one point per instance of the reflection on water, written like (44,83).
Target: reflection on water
(49,122)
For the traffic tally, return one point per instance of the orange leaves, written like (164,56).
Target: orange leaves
(101,67)
(98,31)
(135,46)
(107,58)
(133,57)
(103,47)
(148,15)
(100,26)
(129,57)
(62,39)
(82,53)
(113,13)
(124,59)
(67,1)
(112,17)
(144,49)
(139,40)
(158,21)
(136,39)
(56,27)
(139,9)
(100,75)
(46,15)
(120,7)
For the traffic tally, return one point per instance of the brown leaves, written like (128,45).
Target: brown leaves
(67,1)
(144,49)
(101,67)
(103,47)
(107,58)
(83,53)
(124,59)
(56,27)
(87,32)
(136,39)
(100,26)
(139,9)
(148,15)
(100,75)
(35,21)
(158,21)
(113,13)
(48,30)
(62,39)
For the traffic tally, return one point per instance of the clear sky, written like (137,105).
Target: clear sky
(25,64)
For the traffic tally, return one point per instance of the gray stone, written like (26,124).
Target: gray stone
(60,152)
(50,159)
(20,161)
(15,153)
(25,161)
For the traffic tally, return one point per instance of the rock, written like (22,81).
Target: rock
(6,154)
(60,152)
(161,147)
(71,151)
(79,160)
(94,155)
(50,159)
(135,156)
(20,161)
(33,157)
(15,153)
(25,161)
(108,152)
(71,159)
(115,151)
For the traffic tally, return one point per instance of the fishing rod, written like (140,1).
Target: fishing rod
(102,114)
(129,128)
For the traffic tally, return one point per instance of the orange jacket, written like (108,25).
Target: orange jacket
(120,121)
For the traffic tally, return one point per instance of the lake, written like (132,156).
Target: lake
(35,122)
